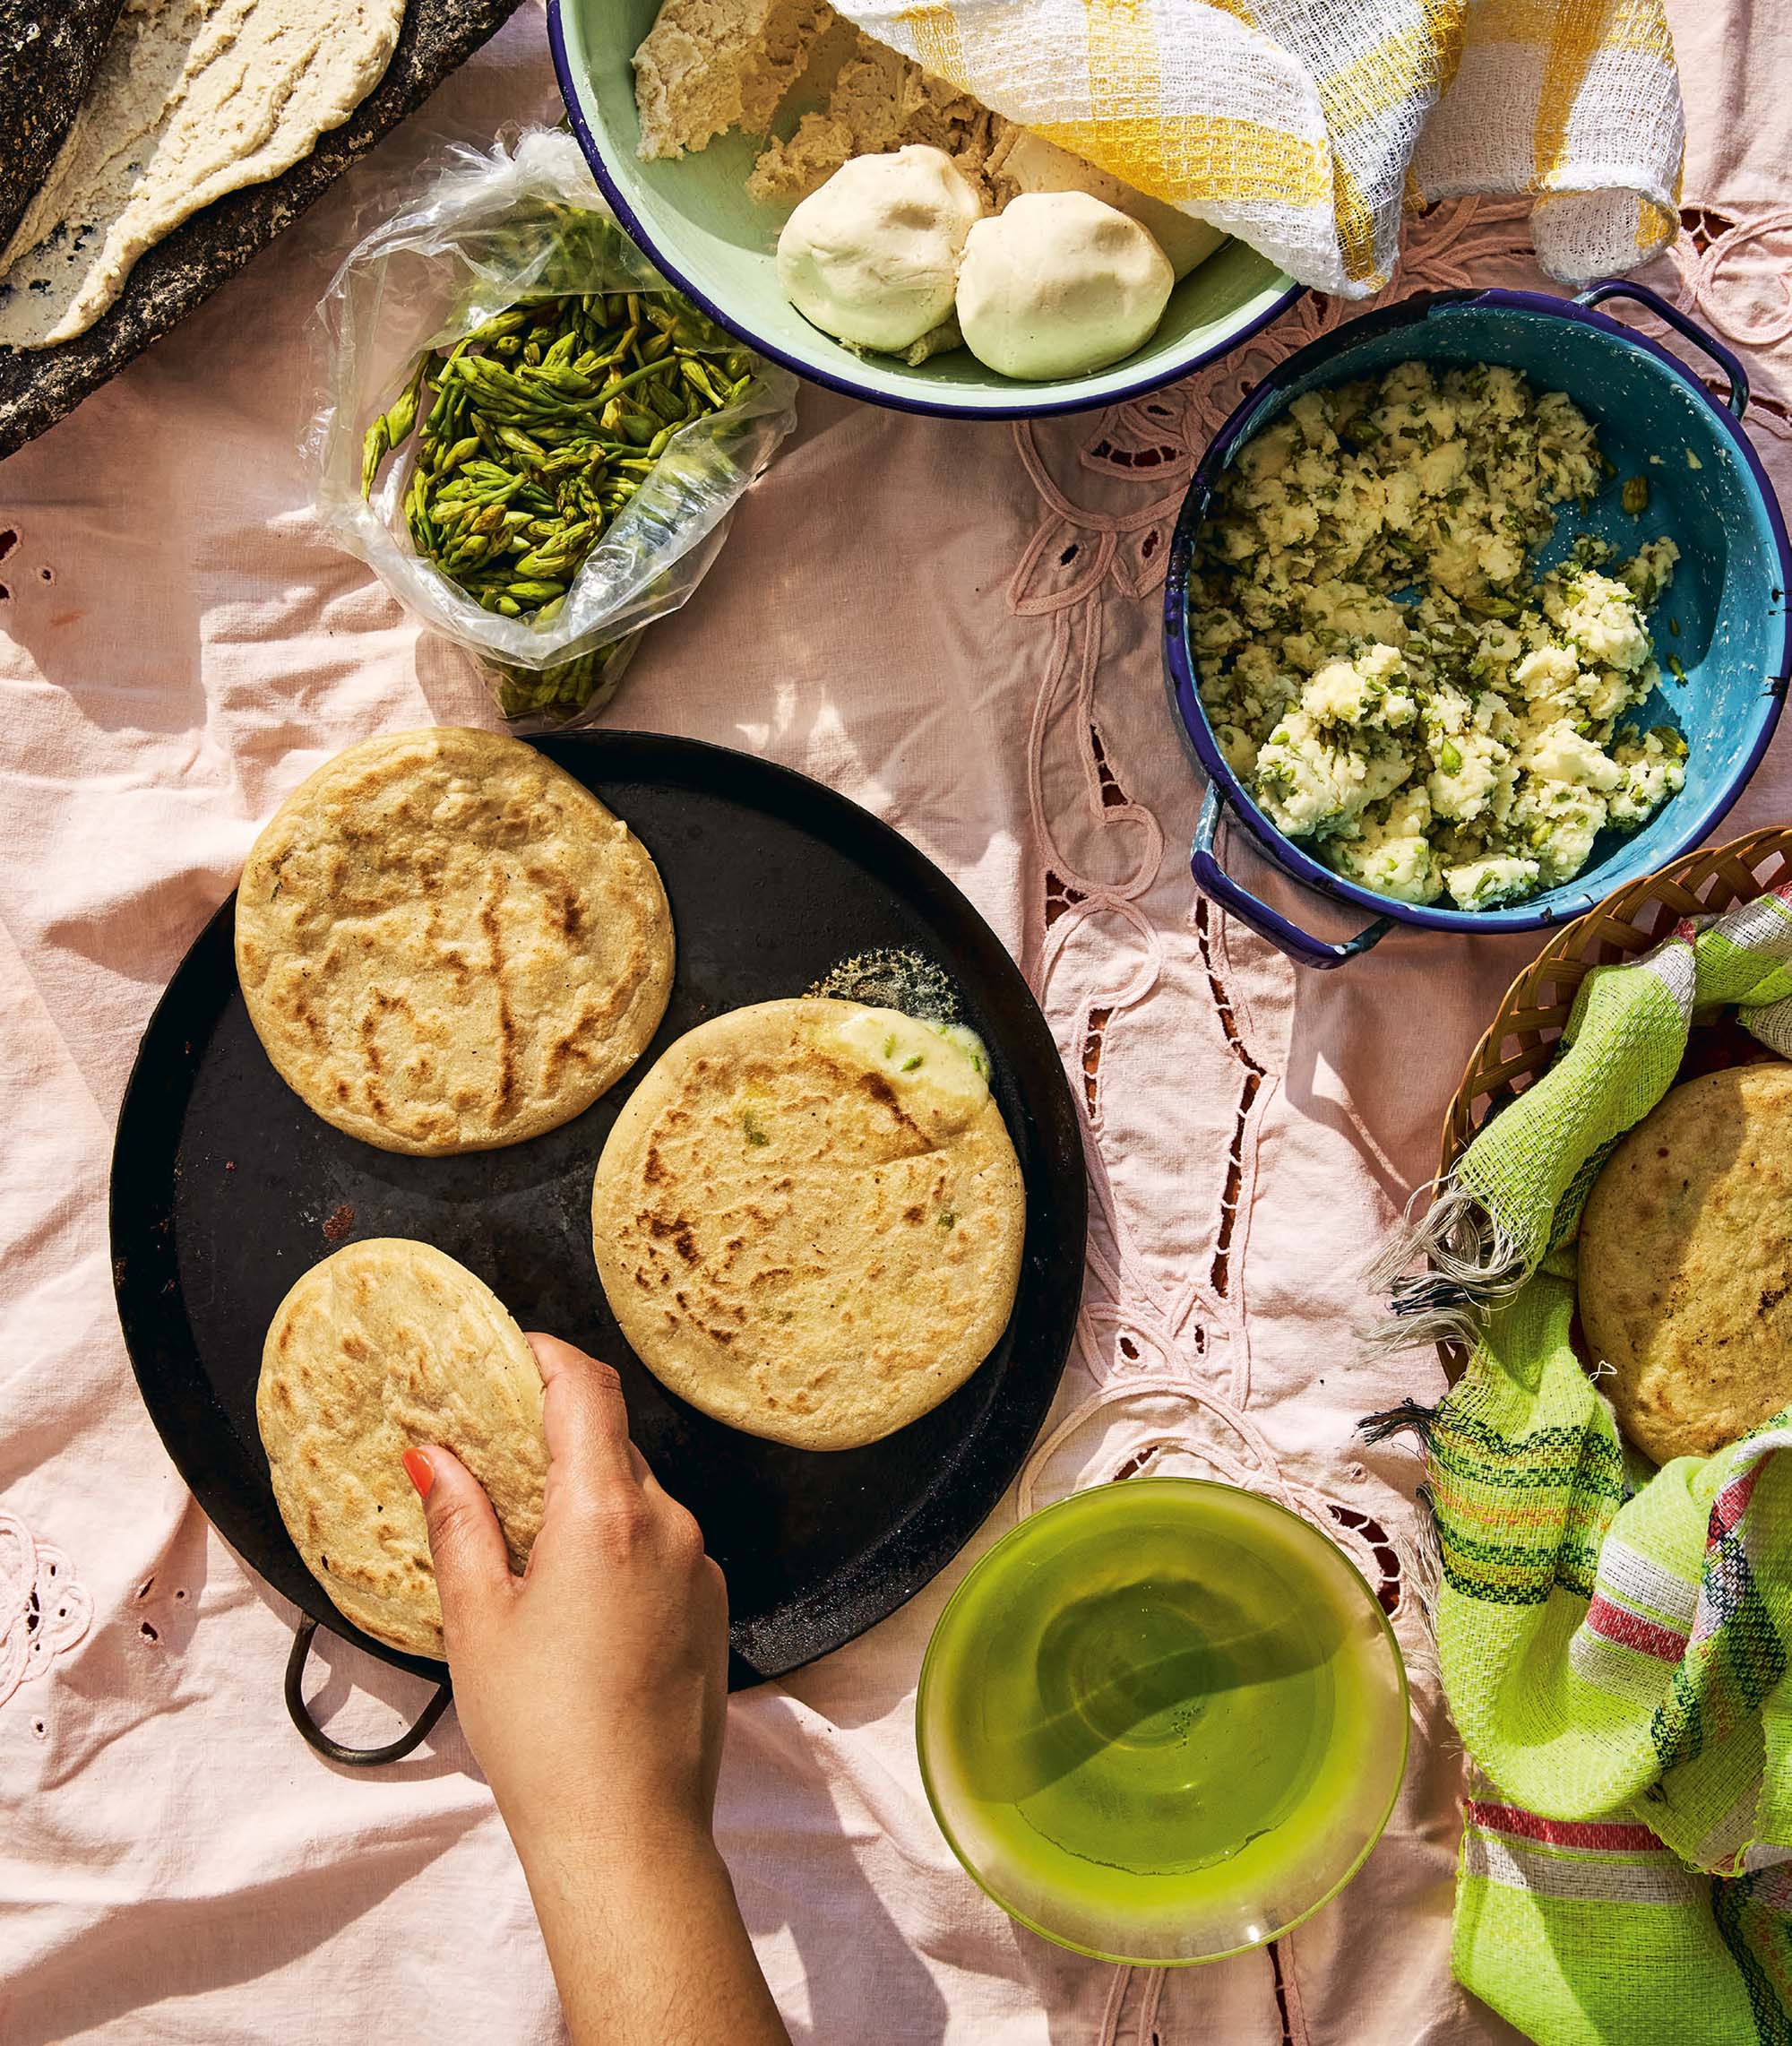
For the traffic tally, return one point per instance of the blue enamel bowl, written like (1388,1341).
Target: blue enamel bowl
(1708,491)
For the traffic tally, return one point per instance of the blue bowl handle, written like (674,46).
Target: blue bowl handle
(1218,885)
(1688,330)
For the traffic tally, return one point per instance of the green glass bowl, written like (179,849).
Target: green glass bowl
(694,219)
(1162,1721)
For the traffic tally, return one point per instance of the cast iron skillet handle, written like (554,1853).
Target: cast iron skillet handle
(1688,330)
(1301,947)
(333,1750)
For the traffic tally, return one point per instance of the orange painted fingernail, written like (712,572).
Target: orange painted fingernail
(420,1470)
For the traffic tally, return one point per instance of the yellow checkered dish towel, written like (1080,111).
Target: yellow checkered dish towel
(1303,126)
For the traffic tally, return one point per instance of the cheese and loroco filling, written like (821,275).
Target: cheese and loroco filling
(1383,666)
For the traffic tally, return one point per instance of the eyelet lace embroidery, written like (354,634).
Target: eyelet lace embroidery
(1713,285)
(43,1611)
(1136,1337)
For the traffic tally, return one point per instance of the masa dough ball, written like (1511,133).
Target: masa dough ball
(873,256)
(1057,284)
(1029,163)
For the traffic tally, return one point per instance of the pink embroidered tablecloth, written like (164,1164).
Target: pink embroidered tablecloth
(956,626)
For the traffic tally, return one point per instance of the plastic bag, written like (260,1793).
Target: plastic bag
(490,231)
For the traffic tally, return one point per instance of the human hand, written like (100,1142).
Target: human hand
(592,1689)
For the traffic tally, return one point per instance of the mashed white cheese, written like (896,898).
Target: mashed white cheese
(1383,668)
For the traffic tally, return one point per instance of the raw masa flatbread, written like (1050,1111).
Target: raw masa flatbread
(48,52)
(446,944)
(193,99)
(1685,1259)
(808,1220)
(383,1347)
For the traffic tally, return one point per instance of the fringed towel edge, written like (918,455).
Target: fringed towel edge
(1473,1262)
(1393,1420)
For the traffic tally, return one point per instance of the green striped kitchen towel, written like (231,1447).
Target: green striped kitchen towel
(1615,1643)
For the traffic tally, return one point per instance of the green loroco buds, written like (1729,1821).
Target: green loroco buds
(540,426)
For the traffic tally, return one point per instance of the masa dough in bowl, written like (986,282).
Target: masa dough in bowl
(193,99)
(447,944)
(1058,284)
(873,256)
(387,1346)
(808,1220)
(1685,1264)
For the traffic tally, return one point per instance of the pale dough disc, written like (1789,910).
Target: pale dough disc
(446,944)
(192,99)
(808,1220)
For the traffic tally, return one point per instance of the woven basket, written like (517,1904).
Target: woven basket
(1520,1043)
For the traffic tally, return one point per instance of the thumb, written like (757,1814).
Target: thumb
(466,1544)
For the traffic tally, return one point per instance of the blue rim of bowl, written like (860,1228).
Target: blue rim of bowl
(1180,673)
(942,407)
(1308,1529)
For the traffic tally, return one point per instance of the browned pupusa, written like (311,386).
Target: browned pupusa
(808,1220)
(386,1346)
(1685,1264)
(446,944)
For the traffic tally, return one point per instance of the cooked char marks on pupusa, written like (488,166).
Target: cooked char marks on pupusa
(1685,1264)
(808,1220)
(446,944)
(390,1345)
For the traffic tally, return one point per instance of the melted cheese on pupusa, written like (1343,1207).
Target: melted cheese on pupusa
(930,1072)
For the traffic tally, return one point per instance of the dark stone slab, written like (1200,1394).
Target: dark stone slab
(48,52)
(39,386)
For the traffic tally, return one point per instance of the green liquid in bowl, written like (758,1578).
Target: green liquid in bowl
(1162,1720)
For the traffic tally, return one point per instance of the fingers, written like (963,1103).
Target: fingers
(586,1419)
(466,1544)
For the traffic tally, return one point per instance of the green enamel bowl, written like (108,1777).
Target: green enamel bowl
(696,220)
